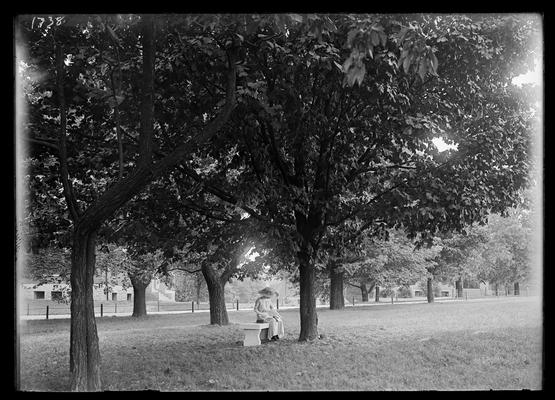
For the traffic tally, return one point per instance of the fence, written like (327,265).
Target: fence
(49,308)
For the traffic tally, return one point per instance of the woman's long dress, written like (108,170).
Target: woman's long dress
(266,312)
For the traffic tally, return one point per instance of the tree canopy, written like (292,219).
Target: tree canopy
(298,129)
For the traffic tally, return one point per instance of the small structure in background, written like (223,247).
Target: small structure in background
(155,291)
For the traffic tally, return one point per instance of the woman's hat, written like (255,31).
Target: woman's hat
(268,291)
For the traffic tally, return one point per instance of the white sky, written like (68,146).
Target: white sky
(534,76)
(441,145)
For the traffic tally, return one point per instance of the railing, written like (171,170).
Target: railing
(50,308)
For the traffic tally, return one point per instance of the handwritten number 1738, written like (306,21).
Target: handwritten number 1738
(52,20)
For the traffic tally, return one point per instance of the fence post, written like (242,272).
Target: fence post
(353,301)
(101,309)
(193,306)
(238,305)
(27,308)
(466,295)
(47,312)
(277,303)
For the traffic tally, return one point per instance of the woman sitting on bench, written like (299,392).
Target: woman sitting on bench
(265,312)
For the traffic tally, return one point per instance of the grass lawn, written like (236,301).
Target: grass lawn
(463,345)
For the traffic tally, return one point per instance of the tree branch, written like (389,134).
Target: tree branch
(268,131)
(254,162)
(43,143)
(184,270)
(212,128)
(364,206)
(207,212)
(359,171)
(402,183)
(229,271)
(62,143)
(119,193)
(242,250)
(147,98)
(116,111)
(225,196)
(349,283)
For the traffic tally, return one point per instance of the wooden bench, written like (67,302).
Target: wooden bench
(254,332)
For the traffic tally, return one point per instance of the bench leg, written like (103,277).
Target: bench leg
(252,337)
(264,335)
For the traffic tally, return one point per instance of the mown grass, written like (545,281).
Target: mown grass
(465,345)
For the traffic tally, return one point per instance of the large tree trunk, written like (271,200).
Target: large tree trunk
(139,296)
(377,297)
(430,290)
(216,296)
(517,289)
(309,317)
(139,301)
(364,291)
(337,299)
(84,353)
(459,287)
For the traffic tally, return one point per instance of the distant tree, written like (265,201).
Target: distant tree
(392,263)
(245,290)
(46,220)
(50,265)
(373,264)
(145,266)
(497,252)
(505,257)
(190,287)
(112,263)
(454,260)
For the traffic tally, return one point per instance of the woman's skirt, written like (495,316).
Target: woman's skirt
(275,327)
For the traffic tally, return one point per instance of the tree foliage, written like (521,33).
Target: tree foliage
(390,263)
(505,257)
(310,124)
